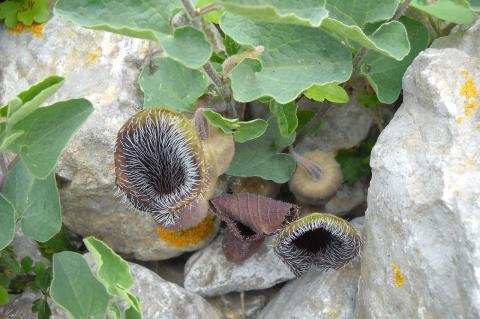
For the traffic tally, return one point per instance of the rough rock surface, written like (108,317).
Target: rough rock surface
(25,246)
(347,199)
(343,126)
(162,299)
(208,273)
(102,67)
(422,248)
(318,294)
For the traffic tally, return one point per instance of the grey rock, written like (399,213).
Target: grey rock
(347,199)
(209,273)
(25,246)
(422,251)
(318,294)
(161,299)
(343,126)
(102,67)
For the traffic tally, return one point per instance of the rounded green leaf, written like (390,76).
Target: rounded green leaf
(286,115)
(46,132)
(36,202)
(456,11)
(331,92)
(385,74)
(7,222)
(112,270)
(260,157)
(307,12)
(242,131)
(147,19)
(75,288)
(168,83)
(294,58)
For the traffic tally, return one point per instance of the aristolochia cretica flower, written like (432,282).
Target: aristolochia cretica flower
(160,165)
(249,219)
(323,240)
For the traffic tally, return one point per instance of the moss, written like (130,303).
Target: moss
(188,237)
(398,277)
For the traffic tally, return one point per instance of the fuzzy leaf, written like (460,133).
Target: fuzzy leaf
(37,13)
(456,11)
(286,115)
(4,297)
(260,157)
(348,19)
(46,133)
(29,100)
(307,13)
(8,11)
(112,270)
(294,58)
(385,74)
(147,19)
(7,222)
(331,92)
(242,131)
(76,289)
(36,202)
(169,84)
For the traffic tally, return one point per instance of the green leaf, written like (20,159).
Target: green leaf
(286,115)
(308,13)
(7,222)
(4,297)
(38,12)
(76,289)
(456,11)
(43,278)
(112,270)
(385,74)
(29,100)
(47,131)
(134,311)
(9,261)
(475,5)
(331,92)
(147,19)
(26,263)
(113,311)
(261,157)
(36,202)
(213,16)
(242,131)
(41,307)
(8,11)
(9,137)
(349,18)
(167,83)
(295,57)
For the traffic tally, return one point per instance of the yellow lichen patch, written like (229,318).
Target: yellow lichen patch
(417,250)
(187,237)
(92,57)
(18,28)
(36,29)
(459,120)
(469,91)
(398,277)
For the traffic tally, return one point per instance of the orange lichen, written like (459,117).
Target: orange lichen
(18,28)
(398,277)
(36,29)
(470,92)
(187,237)
(92,57)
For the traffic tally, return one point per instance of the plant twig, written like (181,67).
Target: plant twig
(207,9)
(217,80)
(242,303)
(312,123)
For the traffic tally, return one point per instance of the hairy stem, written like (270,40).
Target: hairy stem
(207,9)
(222,88)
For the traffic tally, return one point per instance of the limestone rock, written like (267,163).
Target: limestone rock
(102,67)
(347,199)
(209,273)
(422,251)
(343,126)
(162,299)
(318,294)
